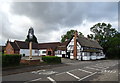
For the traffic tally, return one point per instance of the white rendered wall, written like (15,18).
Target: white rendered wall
(93,56)
(59,53)
(70,49)
(27,52)
(41,52)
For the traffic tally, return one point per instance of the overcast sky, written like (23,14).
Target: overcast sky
(50,20)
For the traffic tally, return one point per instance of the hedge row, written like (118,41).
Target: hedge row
(51,59)
(10,60)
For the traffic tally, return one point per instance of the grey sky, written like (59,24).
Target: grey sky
(50,20)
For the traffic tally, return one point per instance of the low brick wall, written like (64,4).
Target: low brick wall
(30,62)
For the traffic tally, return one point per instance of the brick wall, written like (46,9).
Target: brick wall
(9,49)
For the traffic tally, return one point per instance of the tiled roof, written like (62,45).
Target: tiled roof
(52,45)
(14,46)
(88,42)
(83,41)
(25,45)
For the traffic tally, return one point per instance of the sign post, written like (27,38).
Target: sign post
(30,33)
(30,47)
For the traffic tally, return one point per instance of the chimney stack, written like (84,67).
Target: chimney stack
(75,45)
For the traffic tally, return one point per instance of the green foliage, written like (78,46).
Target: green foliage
(51,59)
(113,44)
(108,38)
(68,35)
(90,36)
(33,40)
(102,31)
(10,60)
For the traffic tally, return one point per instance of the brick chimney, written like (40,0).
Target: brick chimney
(75,45)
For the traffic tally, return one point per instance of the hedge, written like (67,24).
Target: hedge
(10,60)
(51,59)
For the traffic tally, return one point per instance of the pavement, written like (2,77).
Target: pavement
(74,71)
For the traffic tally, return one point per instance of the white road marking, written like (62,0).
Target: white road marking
(60,73)
(87,76)
(48,72)
(111,71)
(91,68)
(85,71)
(105,71)
(73,70)
(35,72)
(52,80)
(36,79)
(106,68)
(33,80)
(73,75)
(114,72)
(65,72)
(98,67)
(108,71)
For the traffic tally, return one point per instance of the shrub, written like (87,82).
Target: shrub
(51,59)
(10,60)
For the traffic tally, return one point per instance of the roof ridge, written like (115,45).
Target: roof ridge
(20,41)
(49,43)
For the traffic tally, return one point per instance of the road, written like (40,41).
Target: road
(99,70)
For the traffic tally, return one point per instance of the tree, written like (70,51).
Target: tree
(114,46)
(106,36)
(90,36)
(69,34)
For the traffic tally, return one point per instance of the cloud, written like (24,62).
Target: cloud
(66,13)
(52,19)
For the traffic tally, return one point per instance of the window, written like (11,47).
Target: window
(43,51)
(71,45)
(72,51)
(36,51)
(59,51)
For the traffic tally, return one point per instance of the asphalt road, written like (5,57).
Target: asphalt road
(99,70)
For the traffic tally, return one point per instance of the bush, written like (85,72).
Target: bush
(51,59)
(10,60)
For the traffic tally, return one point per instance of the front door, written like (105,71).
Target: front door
(49,52)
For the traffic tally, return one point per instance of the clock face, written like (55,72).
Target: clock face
(31,33)
(30,36)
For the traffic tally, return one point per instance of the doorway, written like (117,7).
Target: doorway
(49,52)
